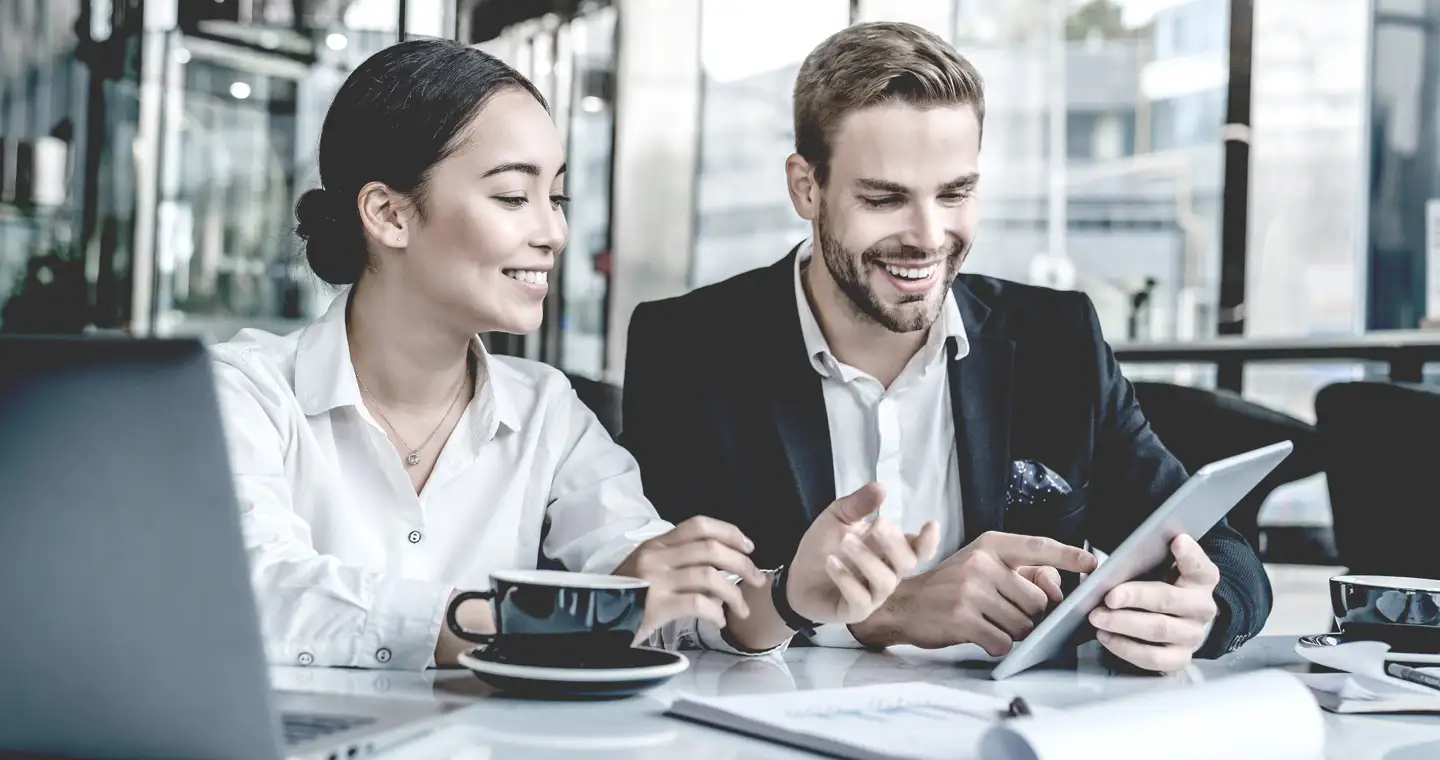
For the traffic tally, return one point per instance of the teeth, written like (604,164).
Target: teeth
(911,273)
(529,276)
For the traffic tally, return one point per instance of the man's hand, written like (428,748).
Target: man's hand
(682,566)
(844,568)
(989,593)
(1158,626)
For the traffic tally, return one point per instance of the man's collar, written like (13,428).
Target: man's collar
(948,330)
(325,373)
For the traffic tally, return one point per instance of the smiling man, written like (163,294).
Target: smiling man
(994,409)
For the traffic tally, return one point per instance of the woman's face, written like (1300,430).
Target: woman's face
(493,225)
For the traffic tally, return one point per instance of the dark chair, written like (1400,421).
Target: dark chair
(1378,443)
(1200,426)
(602,398)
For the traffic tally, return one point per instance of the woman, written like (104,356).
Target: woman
(384,461)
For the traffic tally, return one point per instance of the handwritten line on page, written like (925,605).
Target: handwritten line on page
(1268,715)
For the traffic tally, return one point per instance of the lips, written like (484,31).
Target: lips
(911,272)
(529,276)
(911,279)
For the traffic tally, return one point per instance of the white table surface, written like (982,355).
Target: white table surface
(494,727)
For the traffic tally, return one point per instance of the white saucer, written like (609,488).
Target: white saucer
(1336,639)
(653,667)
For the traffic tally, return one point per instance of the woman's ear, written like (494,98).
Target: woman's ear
(384,215)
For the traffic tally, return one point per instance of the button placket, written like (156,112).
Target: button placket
(888,458)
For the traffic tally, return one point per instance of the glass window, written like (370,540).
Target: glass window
(586,271)
(44,156)
(1307,188)
(1405,172)
(750,52)
(226,255)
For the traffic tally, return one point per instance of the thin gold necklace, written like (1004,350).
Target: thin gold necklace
(414,456)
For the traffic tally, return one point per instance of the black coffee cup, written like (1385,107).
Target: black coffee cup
(557,619)
(1402,612)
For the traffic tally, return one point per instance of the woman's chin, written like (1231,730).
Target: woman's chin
(516,324)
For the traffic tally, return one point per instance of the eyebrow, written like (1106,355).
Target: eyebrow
(964,182)
(523,167)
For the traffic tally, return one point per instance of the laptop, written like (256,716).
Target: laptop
(130,625)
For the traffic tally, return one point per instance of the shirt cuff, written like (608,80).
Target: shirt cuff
(404,625)
(712,637)
(836,636)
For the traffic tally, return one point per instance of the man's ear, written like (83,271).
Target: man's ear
(804,188)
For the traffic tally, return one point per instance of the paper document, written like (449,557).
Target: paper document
(1265,715)
(1268,715)
(901,720)
(1363,686)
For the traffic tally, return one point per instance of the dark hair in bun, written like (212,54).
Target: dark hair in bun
(398,114)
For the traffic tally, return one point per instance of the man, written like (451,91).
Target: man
(993,408)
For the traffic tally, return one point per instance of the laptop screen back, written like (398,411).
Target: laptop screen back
(129,625)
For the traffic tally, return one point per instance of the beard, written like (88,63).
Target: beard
(851,272)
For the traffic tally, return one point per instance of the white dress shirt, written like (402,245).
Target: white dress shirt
(350,566)
(902,437)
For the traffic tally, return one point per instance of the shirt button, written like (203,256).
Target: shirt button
(306,658)
(414,536)
(382,655)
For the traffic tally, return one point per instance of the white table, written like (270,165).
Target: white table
(499,728)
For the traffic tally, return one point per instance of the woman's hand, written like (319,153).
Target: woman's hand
(686,569)
(845,567)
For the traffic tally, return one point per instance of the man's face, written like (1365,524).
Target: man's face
(898,213)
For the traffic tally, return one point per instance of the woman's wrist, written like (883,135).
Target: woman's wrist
(763,630)
(472,615)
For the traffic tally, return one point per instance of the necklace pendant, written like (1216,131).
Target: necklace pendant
(413,459)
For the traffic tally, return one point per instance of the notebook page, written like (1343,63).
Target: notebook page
(915,720)
(1265,715)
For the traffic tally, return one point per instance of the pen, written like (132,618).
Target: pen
(1404,672)
(1019,708)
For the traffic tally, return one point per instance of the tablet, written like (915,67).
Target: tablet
(1193,509)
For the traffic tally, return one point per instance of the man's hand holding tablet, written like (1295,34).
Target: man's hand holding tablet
(1158,625)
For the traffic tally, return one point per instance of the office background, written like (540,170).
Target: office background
(1258,168)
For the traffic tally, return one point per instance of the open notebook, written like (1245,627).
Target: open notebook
(1268,714)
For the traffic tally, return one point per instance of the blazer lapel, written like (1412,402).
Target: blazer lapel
(980,402)
(797,401)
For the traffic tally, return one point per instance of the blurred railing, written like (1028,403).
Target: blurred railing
(1404,352)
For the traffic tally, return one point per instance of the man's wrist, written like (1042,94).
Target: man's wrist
(878,630)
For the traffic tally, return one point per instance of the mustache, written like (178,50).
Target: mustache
(908,253)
